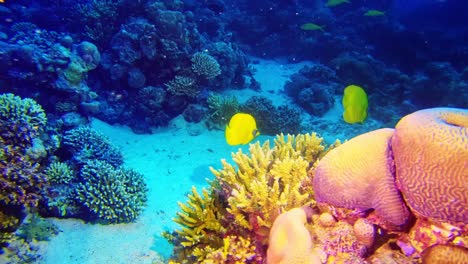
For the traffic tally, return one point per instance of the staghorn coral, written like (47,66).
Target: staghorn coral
(85,143)
(200,218)
(263,185)
(430,148)
(205,65)
(112,195)
(59,173)
(183,85)
(245,197)
(363,176)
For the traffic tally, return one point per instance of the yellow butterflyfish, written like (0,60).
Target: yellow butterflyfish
(355,104)
(311,26)
(332,3)
(374,12)
(241,129)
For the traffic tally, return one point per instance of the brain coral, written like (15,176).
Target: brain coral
(431,159)
(359,174)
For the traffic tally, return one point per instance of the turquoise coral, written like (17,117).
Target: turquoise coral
(112,195)
(86,143)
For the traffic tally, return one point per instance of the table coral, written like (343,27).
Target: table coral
(431,158)
(354,176)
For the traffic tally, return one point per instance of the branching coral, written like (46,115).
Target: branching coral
(245,198)
(59,173)
(113,195)
(21,121)
(87,144)
(200,218)
(205,65)
(183,85)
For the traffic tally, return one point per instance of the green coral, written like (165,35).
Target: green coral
(244,199)
(59,173)
(112,195)
(221,108)
(205,65)
(20,119)
(38,229)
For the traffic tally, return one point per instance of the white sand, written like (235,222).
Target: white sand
(172,162)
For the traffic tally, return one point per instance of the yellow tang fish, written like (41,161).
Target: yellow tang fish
(374,12)
(354,104)
(241,129)
(332,3)
(311,26)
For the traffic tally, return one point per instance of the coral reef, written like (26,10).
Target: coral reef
(313,88)
(273,120)
(86,144)
(112,195)
(436,139)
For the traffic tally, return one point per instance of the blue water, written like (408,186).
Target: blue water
(149,64)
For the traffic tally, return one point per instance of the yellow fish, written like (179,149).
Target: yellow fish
(374,12)
(241,129)
(332,3)
(311,26)
(354,104)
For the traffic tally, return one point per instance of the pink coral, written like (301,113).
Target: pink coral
(290,241)
(431,159)
(359,174)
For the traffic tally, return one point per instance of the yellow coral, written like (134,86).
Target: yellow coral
(245,198)
(235,249)
(270,180)
(199,215)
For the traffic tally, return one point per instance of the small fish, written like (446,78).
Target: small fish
(374,13)
(311,26)
(241,129)
(332,3)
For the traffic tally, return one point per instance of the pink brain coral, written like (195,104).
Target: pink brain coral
(360,174)
(431,157)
